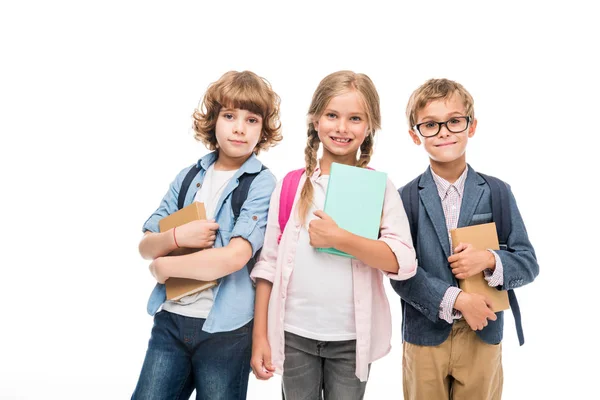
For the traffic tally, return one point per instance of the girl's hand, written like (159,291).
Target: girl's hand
(468,261)
(157,270)
(323,232)
(261,359)
(199,234)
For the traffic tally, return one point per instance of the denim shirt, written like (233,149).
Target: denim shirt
(233,304)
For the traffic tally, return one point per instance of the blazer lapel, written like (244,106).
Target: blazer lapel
(471,196)
(433,206)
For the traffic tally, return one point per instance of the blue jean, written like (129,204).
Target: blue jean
(182,357)
(320,370)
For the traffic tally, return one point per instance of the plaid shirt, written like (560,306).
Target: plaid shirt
(451,196)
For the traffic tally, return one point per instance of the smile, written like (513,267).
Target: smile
(340,140)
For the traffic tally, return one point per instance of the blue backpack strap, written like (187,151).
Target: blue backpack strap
(187,181)
(501,216)
(410,199)
(238,197)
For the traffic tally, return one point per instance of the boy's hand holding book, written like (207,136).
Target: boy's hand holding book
(476,309)
(191,232)
(468,261)
(199,234)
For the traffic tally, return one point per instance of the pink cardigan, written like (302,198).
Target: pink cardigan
(372,310)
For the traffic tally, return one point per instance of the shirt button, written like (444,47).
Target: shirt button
(198,184)
(290,260)
(254,217)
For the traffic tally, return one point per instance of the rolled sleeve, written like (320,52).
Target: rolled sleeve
(395,232)
(252,221)
(267,262)
(447,311)
(495,278)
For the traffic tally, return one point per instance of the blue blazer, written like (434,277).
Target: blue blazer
(421,295)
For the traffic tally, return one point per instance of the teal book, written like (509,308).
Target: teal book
(354,200)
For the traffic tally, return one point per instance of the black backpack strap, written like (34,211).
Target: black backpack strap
(410,199)
(238,197)
(187,181)
(240,193)
(500,208)
(501,216)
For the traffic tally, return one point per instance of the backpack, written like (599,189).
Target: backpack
(289,187)
(238,197)
(500,215)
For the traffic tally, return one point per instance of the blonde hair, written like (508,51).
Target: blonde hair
(435,89)
(333,85)
(244,90)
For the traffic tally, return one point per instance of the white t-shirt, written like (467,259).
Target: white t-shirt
(198,305)
(320,299)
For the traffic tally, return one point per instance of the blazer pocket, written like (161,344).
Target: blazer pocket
(479,219)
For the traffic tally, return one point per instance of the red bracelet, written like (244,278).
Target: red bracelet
(175,238)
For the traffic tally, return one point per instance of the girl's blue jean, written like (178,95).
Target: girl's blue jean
(182,357)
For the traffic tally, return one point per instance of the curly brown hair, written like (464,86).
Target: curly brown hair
(244,90)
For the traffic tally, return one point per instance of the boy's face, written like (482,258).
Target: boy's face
(446,146)
(343,126)
(238,132)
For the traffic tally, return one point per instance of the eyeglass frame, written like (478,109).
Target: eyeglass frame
(417,126)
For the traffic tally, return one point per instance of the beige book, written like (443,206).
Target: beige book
(482,237)
(180,287)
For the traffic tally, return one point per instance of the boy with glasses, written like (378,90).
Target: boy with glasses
(452,339)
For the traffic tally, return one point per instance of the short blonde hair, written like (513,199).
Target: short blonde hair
(435,89)
(244,90)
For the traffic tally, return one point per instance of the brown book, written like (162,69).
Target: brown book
(180,287)
(482,237)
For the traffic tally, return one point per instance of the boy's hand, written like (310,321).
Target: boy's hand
(199,234)
(157,270)
(324,231)
(468,261)
(261,359)
(476,309)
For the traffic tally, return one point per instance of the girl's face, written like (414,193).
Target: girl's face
(343,127)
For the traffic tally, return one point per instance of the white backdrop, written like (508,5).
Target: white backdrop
(95,105)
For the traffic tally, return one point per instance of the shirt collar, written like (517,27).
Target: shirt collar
(443,185)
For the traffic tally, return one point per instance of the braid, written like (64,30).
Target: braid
(366,151)
(310,155)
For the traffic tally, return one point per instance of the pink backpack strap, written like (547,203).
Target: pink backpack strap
(289,187)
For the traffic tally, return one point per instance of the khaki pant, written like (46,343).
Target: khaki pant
(462,368)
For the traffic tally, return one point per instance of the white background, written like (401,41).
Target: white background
(95,105)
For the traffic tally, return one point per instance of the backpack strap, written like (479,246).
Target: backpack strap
(500,208)
(410,200)
(238,197)
(187,181)
(501,216)
(240,193)
(289,187)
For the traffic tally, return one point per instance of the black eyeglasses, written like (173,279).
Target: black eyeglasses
(432,128)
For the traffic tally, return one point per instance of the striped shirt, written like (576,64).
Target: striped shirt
(451,196)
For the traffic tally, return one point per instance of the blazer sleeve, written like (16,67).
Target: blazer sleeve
(519,262)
